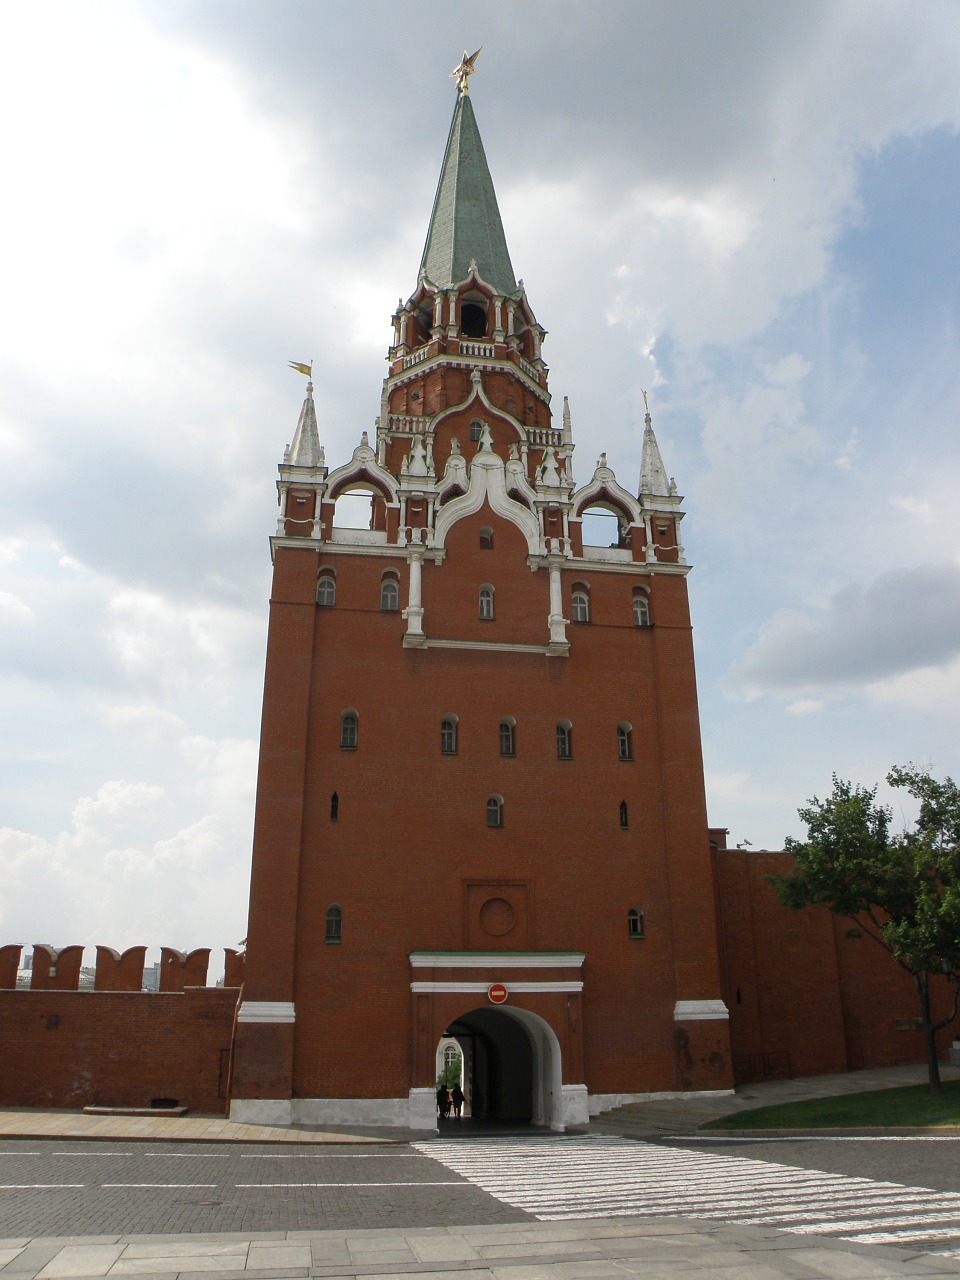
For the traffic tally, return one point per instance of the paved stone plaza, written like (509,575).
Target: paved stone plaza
(308,1203)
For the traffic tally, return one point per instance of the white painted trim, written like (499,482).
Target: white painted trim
(598,1102)
(497,959)
(699,1010)
(481,987)
(489,646)
(266,1011)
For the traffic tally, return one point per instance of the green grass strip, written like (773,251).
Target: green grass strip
(911,1107)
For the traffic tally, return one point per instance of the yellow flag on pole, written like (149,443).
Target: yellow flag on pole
(305,369)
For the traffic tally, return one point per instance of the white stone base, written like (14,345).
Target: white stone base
(417,1111)
(598,1102)
(270,1111)
(575,1105)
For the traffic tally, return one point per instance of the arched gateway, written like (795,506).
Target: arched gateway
(512,1066)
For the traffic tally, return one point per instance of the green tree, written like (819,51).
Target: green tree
(901,890)
(451,1073)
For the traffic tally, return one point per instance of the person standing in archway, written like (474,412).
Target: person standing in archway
(443,1102)
(456,1095)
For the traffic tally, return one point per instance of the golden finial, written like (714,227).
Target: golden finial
(305,369)
(464,69)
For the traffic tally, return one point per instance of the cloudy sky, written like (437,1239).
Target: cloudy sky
(750,209)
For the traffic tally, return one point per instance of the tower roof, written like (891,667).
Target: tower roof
(304,450)
(653,474)
(465,224)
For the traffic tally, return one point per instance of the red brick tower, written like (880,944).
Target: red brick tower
(480,769)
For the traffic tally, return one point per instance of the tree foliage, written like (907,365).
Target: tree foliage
(900,890)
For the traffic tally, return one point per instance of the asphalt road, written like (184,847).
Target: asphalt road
(64,1188)
(102,1188)
(926,1161)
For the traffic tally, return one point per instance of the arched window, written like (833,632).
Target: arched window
(473,320)
(334,924)
(581,604)
(508,736)
(495,811)
(605,525)
(327,590)
(448,735)
(389,595)
(564,740)
(624,815)
(624,740)
(641,608)
(486,538)
(349,731)
(334,807)
(635,923)
(476,429)
(486,602)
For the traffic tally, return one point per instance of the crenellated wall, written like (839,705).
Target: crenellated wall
(116,1045)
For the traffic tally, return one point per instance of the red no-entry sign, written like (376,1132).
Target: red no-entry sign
(497,994)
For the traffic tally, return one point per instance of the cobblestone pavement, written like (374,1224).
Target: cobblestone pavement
(91,1188)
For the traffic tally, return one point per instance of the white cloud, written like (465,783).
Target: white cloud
(144,720)
(117,806)
(260,197)
(805,707)
(899,623)
(919,508)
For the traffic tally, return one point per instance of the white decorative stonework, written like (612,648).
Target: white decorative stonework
(266,1011)
(699,1010)
(487,484)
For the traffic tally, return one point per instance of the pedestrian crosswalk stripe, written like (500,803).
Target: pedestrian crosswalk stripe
(557,1179)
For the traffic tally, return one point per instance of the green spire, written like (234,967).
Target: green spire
(465,223)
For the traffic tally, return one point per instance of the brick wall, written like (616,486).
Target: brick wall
(800,991)
(123,1048)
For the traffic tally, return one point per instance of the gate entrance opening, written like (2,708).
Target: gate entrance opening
(511,1067)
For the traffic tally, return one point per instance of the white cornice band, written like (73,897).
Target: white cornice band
(699,1010)
(497,959)
(480,988)
(266,1011)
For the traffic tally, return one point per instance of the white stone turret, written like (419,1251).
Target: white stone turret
(654,482)
(305,450)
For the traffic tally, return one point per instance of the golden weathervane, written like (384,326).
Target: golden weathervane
(465,69)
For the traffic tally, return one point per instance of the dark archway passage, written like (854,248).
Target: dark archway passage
(511,1068)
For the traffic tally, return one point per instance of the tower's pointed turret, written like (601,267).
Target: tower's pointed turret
(654,482)
(465,225)
(304,450)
